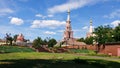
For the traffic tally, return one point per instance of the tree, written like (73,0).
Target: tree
(51,42)
(45,42)
(89,40)
(15,37)
(116,33)
(103,34)
(80,40)
(37,42)
(9,39)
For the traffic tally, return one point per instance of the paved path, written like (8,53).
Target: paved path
(116,59)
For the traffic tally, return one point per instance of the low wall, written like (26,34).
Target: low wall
(109,49)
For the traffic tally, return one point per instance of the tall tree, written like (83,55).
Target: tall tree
(89,40)
(103,35)
(37,42)
(9,39)
(15,37)
(45,42)
(116,33)
(52,42)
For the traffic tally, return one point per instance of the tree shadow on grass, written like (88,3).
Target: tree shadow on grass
(42,63)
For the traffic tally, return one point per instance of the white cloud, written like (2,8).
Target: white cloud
(72,4)
(5,11)
(42,16)
(16,21)
(50,32)
(114,14)
(50,15)
(85,27)
(47,23)
(115,23)
(39,15)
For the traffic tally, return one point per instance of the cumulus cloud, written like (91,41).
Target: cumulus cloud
(114,14)
(115,23)
(50,15)
(47,23)
(43,16)
(50,32)
(72,4)
(5,11)
(40,15)
(16,21)
(85,27)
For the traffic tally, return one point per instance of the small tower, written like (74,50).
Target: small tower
(89,34)
(68,33)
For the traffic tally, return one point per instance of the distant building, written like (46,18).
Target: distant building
(20,40)
(2,42)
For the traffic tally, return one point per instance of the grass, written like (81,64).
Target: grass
(11,49)
(24,57)
(82,51)
(55,60)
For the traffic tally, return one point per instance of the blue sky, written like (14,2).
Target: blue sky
(47,18)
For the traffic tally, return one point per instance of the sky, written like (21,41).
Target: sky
(47,18)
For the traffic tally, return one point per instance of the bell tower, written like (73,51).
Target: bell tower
(89,34)
(68,33)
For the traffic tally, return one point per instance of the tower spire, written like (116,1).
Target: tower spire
(68,18)
(90,22)
(91,28)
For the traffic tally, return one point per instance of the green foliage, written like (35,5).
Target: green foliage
(15,37)
(103,34)
(11,49)
(89,40)
(52,42)
(37,42)
(81,40)
(9,39)
(116,33)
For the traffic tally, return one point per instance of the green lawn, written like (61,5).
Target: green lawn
(55,60)
(11,49)
(82,51)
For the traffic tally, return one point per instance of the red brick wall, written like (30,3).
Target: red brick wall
(109,49)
